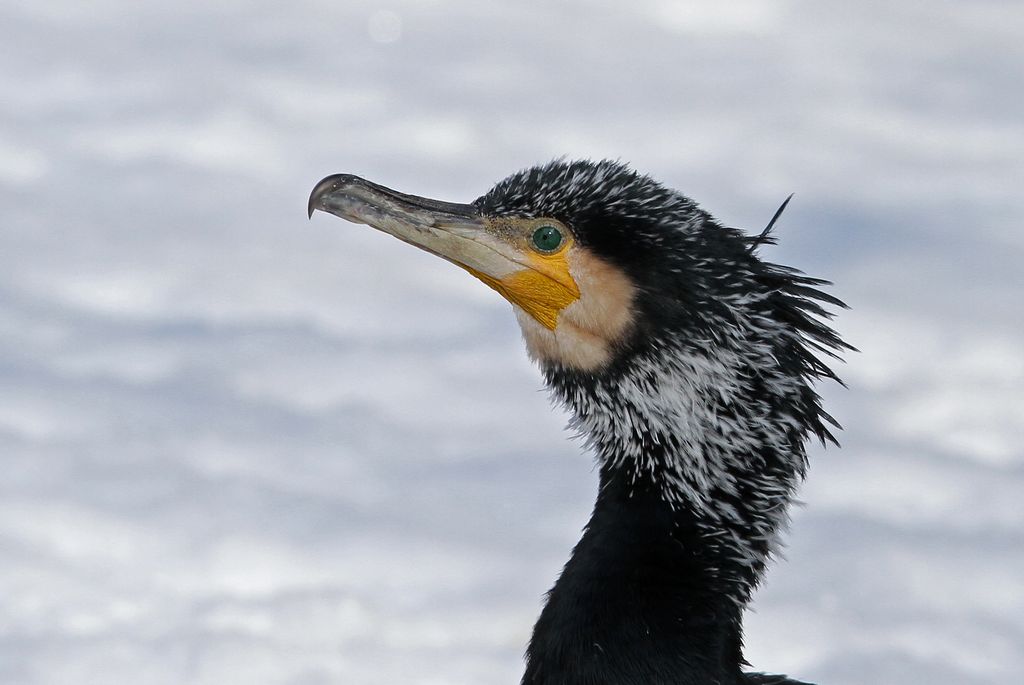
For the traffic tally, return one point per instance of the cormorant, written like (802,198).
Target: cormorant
(687,363)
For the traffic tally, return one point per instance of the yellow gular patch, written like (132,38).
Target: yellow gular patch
(542,291)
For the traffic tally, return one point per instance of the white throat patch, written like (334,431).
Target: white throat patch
(588,329)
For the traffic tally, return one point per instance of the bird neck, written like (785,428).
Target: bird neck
(640,600)
(699,457)
(699,434)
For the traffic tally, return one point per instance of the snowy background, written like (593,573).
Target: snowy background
(237,446)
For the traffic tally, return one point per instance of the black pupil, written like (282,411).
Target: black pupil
(547,238)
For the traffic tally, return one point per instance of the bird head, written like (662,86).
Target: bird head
(599,262)
(686,360)
(592,256)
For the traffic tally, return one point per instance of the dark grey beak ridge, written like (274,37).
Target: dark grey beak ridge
(347,196)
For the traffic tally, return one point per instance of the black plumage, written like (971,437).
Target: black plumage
(654,591)
(698,410)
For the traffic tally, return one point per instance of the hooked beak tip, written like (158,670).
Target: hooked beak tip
(322,188)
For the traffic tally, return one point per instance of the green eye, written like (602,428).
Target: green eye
(547,239)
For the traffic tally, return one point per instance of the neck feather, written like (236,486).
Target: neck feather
(698,464)
(640,601)
(701,445)
(720,444)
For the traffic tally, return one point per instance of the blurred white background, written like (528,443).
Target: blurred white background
(237,446)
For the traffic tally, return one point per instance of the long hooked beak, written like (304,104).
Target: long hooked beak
(455,232)
(495,251)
